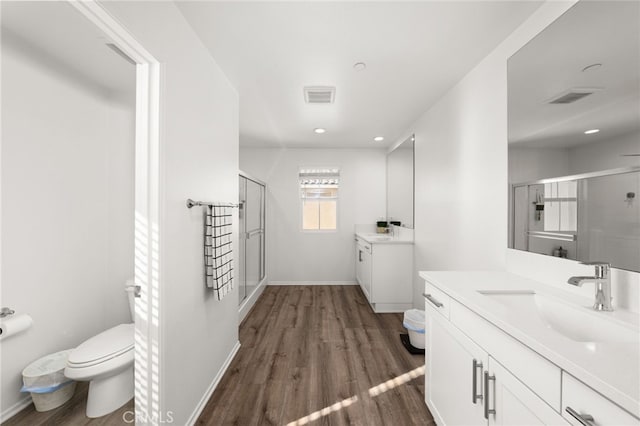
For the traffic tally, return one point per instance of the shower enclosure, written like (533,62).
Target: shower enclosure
(251,270)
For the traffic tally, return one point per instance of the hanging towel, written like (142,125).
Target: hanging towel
(218,250)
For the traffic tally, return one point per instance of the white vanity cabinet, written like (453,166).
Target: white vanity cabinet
(483,369)
(465,386)
(384,272)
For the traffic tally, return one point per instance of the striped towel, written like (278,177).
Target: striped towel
(218,249)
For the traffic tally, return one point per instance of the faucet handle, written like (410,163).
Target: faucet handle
(602,268)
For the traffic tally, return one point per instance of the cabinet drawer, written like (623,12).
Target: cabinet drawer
(584,401)
(437,300)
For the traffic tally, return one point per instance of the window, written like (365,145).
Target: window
(319,195)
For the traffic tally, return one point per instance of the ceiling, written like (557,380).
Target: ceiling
(595,32)
(55,35)
(414,52)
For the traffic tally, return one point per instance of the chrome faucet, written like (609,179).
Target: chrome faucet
(602,281)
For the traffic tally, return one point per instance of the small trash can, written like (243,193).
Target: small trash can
(414,321)
(46,381)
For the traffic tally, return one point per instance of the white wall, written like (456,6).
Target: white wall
(461,174)
(199,160)
(294,256)
(530,164)
(67,210)
(605,155)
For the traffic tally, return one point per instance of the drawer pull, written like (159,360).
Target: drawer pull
(584,419)
(433,300)
(487,410)
(474,382)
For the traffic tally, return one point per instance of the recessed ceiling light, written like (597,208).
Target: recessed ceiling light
(591,67)
(319,130)
(359,66)
(378,138)
(592,131)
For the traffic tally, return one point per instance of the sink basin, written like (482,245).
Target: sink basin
(578,323)
(377,237)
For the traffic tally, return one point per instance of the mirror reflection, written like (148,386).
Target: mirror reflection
(574,137)
(400,183)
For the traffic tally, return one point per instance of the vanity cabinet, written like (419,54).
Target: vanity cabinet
(384,272)
(466,386)
(479,372)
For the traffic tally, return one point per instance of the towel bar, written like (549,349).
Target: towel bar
(191,203)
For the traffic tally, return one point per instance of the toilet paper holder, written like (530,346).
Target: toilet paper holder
(5,312)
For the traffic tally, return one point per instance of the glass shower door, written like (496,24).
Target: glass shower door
(251,235)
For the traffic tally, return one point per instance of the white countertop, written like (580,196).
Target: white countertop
(384,238)
(611,368)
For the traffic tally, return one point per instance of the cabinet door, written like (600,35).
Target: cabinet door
(366,274)
(511,403)
(454,364)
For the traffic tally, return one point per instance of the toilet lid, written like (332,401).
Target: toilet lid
(108,344)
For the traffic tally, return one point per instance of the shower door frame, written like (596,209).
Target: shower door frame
(148,221)
(245,304)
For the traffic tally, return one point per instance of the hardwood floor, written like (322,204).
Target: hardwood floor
(319,355)
(72,413)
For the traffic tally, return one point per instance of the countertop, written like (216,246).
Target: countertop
(611,368)
(384,238)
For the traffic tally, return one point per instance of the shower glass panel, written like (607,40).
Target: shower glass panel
(251,259)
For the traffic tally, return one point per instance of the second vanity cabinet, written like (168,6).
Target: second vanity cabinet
(479,374)
(384,272)
(466,386)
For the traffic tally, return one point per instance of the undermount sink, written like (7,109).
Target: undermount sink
(577,323)
(378,237)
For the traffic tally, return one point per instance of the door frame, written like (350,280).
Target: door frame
(148,260)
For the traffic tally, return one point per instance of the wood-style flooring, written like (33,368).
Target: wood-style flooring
(319,355)
(72,413)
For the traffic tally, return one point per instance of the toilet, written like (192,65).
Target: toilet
(106,361)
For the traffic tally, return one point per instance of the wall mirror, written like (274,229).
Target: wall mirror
(574,137)
(400,183)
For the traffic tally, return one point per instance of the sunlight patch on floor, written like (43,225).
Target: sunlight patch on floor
(373,392)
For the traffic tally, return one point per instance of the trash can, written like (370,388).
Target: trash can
(414,321)
(46,381)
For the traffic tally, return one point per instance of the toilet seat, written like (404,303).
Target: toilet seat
(103,347)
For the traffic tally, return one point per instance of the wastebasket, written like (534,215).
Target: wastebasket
(414,322)
(46,381)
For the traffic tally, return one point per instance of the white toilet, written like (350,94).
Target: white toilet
(106,361)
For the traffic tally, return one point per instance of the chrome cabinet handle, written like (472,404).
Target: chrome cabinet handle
(359,255)
(583,419)
(487,410)
(474,382)
(433,300)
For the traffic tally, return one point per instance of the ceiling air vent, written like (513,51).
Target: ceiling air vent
(319,94)
(572,95)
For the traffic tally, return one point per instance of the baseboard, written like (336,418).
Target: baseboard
(313,283)
(248,304)
(212,387)
(15,409)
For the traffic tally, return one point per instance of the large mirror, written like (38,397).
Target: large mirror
(400,178)
(574,137)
